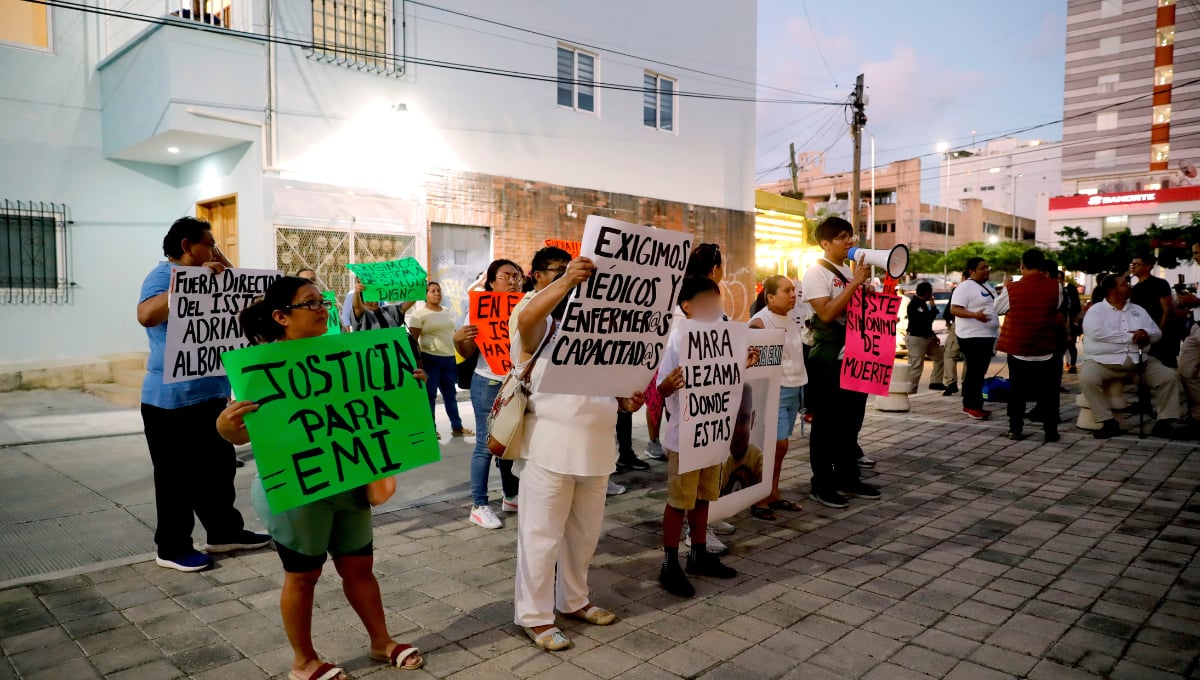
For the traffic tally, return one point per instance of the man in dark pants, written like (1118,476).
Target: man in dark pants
(838,414)
(194,466)
(1030,339)
(973,305)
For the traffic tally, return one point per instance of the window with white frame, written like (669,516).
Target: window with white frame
(1168,219)
(33,253)
(658,101)
(1106,120)
(25,23)
(359,34)
(577,79)
(1108,83)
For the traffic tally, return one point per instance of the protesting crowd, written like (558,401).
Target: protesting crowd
(338,399)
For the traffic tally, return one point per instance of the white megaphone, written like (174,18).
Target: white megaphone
(894,261)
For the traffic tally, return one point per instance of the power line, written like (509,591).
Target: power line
(817,43)
(599,48)
(368,54)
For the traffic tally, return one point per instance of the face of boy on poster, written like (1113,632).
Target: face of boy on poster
(871,320)
(615,325)
(334,413)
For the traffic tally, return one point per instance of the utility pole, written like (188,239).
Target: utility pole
(795,170)
(858,122)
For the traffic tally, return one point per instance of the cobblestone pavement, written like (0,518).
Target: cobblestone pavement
(986,558)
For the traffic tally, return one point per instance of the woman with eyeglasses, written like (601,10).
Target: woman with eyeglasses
(503,276)
(339,525)
(193,467)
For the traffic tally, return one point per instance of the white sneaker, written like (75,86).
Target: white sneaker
(509,504)
(655,450)
(722,528)
(711,542)
(482,516)
(614,489)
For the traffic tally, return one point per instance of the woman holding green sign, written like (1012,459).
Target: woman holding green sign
(293,309)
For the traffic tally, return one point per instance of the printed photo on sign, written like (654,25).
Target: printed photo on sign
(713,358)
(871,320)
(612,334)
(746,471)
(394,281)
(489,314)
(335,412)
(202,318)
(571,247)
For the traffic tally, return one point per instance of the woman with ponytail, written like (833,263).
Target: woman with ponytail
(339,525)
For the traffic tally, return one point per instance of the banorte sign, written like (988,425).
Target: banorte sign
(1173,195)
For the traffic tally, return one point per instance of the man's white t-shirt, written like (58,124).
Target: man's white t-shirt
(819,282)
(975,297)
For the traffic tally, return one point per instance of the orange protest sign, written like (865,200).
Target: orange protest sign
(569,246)
(489,313)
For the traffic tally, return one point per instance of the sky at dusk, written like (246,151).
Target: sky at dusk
(935,70)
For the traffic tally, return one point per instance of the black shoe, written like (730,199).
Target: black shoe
(1072,370)
(950,391)
(860,490)
(708,564)
(866,462)
(672,578)
(1014,435)
(1170,429)
(1052,437)
(830,499)
(936,386)
(630,461)
(1108,430)
(245,540)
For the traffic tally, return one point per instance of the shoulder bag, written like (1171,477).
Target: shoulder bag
(506,422)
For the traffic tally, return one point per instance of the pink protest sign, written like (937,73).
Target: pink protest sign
(870,342)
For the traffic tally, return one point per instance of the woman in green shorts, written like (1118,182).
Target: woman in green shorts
(339,525)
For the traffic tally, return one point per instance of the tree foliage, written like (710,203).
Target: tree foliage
(1080,252)
(1001,256)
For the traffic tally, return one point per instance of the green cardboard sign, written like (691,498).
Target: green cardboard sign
(334,325)
(335,412)
(395,281)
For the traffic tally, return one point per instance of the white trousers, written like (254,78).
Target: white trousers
(557,531)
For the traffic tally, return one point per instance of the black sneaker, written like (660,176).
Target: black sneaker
(672,578)
(1170,429)
(950,391)
(937,386)
(1108,430)
(709,565)
(246,540)
(830,499)
(860,490)
(1052,437)
(1014,435)
(630,461)
(866,462)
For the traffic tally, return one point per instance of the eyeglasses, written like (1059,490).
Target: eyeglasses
(849,238)
(312,305)
(554,270)
(506,276)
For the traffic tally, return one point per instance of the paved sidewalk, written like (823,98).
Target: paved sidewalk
(985,559)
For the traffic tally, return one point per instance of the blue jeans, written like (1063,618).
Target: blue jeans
(441,373)
(483,394)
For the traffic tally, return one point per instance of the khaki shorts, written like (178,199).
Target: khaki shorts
(684,490)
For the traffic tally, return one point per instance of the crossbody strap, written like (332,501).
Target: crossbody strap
(836,272)
(533,359)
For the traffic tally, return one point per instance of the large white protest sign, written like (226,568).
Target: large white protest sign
(750,462)
(202,318)
(612,335)
(713,358)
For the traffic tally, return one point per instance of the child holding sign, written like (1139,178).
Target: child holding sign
(340,525)
(688,493)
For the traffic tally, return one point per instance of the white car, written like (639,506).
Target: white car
(942,300)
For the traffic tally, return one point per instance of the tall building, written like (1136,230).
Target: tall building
(314,133)
(1131,109)
(1007,175)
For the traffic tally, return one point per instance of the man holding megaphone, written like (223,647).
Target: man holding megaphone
(829,287)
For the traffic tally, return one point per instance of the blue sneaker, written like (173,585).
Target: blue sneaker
(246,540)
(192,561)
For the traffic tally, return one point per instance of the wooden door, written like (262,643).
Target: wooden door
(221,213)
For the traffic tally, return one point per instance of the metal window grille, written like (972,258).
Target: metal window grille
(34,262)
(359,34)
(328,251)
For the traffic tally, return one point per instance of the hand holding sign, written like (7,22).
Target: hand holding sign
(712,356)
(395,281)
(871,320)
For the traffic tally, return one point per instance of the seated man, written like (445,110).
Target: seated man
(1117,334)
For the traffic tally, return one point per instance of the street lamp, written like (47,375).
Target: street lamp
(943,148)
(1014,205)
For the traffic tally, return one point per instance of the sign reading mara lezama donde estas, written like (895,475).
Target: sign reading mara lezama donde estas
(202,319)
(713,357)
(334,412)
(614,329)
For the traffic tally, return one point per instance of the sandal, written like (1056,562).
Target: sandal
(593,615)
(399,654)
(784,504)
(552,639)
(765,514)
(462,432)
(325,671)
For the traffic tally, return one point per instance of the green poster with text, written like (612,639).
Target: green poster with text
(334,412)
(395,281)
(334,325)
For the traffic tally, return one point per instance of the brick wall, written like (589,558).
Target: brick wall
(522,215)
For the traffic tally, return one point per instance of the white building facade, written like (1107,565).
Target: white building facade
(1008,174)
(316,133)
